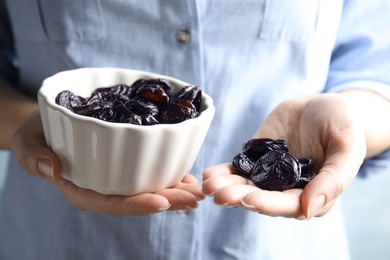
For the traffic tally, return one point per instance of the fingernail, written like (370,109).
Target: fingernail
(195,207)
(315,206)
(226,205)
(200,196)
(247,206)
(45,167)
(164,208)
(208,194)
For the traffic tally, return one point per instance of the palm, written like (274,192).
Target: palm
(321,127)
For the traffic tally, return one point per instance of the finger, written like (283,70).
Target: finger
(221,169)
(29,148)
(324,210)
(231,196)
(138,205)
(275,203)
(213,184)
(189,178)
(194,189)
(238,196)
(179,199)
(334,177)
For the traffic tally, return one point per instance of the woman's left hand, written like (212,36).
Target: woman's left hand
(324,127)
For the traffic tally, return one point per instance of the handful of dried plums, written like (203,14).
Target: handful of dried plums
(145,102)
(269,165)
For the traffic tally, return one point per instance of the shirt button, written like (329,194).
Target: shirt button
(183,36)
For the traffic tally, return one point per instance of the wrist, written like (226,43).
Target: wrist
(374,112)
(14,109)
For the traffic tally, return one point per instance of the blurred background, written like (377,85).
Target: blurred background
(366,209)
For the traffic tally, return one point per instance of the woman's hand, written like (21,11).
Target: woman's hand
(183,196)
(324,127)
(29,147)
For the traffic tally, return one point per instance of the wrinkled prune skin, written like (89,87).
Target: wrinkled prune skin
(141,107)
(149,120)
(153,93)
(117,114)
(276,170)
(161,83)
(191,93)
(121,89)
(269,165)
(243,165)
(145,102)
(257,147)
(176,112)
(307,172)
(69,100)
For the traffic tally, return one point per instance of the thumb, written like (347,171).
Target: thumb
(29,148)
(337,173)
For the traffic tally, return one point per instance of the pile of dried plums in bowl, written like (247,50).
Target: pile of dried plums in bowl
(145,102)
(124,132)
(270,166)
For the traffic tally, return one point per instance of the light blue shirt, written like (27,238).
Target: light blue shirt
(249,55)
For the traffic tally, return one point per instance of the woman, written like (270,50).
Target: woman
(300,71)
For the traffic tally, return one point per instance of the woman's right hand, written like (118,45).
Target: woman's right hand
(35,158)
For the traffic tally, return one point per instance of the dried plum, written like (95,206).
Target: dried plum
(257,147)
(145,102)
(153,93)
(120,89)
(269,165)
(149,120)
(69,100)
(101,98)
(142,107)
(307,172)
(161,83)
(243,165)
(176,112)
(276,170)
(191,93)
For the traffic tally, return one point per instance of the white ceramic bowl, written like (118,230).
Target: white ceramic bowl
(118,158)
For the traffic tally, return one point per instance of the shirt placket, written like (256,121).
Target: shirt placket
(183,59)
(182,35)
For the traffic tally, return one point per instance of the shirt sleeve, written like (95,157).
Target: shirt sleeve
(361,59)
(8,61)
